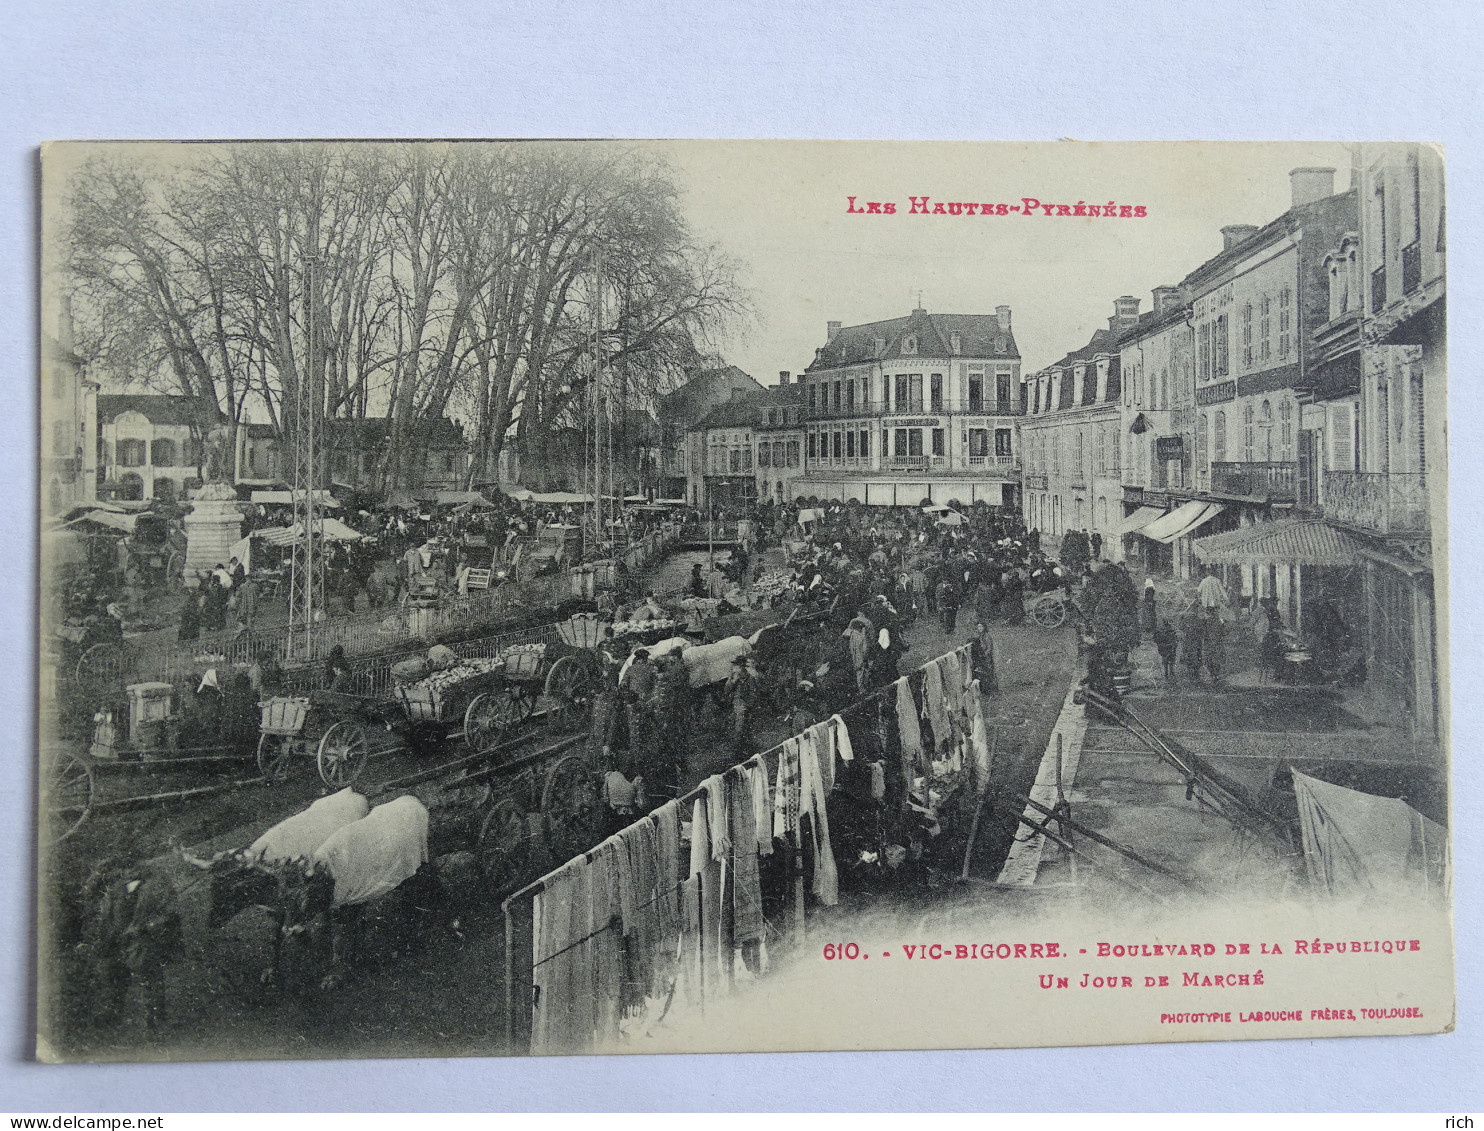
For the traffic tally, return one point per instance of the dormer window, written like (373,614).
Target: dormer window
(955,343)
(909,344)
(880,346)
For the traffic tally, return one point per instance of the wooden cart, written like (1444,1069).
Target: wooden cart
(330,727)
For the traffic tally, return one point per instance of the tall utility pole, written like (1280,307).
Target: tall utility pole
(306,580)
(599,455)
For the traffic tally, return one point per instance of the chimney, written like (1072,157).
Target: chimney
(1166,299)
(1003,314)
(831,329)
(1233,234)
(1310,183)
(783,376)
(1125,313)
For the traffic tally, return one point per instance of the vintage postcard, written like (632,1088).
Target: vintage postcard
(507,598)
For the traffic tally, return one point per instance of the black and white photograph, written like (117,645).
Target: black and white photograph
(508,598)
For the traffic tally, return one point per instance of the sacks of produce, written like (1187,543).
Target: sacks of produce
(712,663)
(410,671)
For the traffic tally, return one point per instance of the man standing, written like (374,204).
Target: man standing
(742,689)
(948,599)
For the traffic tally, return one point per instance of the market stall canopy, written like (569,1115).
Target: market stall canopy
(810,514)
(670,503)
(1181,521)
(1140,519)
(1293,542)
(332,528)
(121,522)
(935,510)
(952,518)
(1356,844)
(561,498)
(286,498)
(474,499)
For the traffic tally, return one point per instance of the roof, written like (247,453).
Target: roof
(1294,218)
(691,400)
(1151,322)
(157,408)
(980,335)
(741,411)
(1302,542)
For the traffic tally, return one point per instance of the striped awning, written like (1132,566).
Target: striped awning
(1140,519)
(1295,542)
(1181,521)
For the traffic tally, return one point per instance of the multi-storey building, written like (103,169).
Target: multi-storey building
(921,407)
(719,451)
(780,441)
(1072,439)
(1387,297)
(1157,427)
(149,445)
(679,411)
(69,423)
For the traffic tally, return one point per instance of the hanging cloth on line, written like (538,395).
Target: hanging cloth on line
(762,805)
(908,728)
(935,707)
(826,877)
(747,894)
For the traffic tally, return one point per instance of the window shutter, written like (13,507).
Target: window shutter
(1341,450)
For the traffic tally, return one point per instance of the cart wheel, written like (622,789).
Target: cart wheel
(569,807)
(504,850)
(492,714)
(343,753)
(570,687)
(69,795)
(101,668)
(1048,611)
(274,752)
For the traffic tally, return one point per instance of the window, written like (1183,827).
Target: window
(935,392)
(850,444)
(1285,431)
(131,454)
(955,343)
(978,443)
(1221,347)
(899,441)
(813,439)
(1247,336)
(838,448)
(1203,355)
(793,453)
(865,447)
(1247,433)
(1218,439)
(939,441)
(914,441)
(838,400)
(762,455)
(1285,314)
(909,344)
(1264,328)
(900,402)
(812,405)
(1341,445)
(1099,460)
(1115,451)
(915,387)
(976,392)
(1164,388)
(1200,447)
(850,396)
(1002,397)
(60,448)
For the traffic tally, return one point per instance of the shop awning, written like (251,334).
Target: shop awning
(455,498)
(120,522)
(286,498)
(1300,542)
(561,498)
(1180,521)
(1140,519)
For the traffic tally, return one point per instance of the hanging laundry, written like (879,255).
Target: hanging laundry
(878,780)
(668,868)
(826,878)
(762,804)
(786,799)
(553,962)
(715,788)
(707,869)
(747,894)
(605,942)
(907,727)
(935,707)
(842,740)
(978,741)
(822,737)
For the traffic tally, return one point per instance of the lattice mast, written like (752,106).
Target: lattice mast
(306,571)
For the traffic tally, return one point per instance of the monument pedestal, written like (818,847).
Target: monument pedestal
(213,526)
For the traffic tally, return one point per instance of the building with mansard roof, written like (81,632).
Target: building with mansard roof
(923,406)
(1071,439)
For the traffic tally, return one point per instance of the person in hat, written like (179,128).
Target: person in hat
(741,688)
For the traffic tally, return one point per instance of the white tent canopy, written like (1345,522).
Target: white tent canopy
(286,498)
(561,498)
